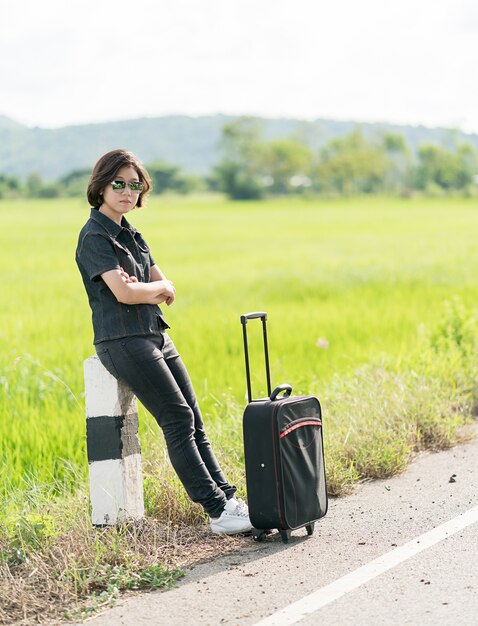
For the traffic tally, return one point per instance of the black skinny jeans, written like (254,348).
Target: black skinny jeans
(154,371)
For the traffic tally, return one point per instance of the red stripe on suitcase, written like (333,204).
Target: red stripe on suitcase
(292,428)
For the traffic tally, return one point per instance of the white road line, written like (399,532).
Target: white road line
(311,603)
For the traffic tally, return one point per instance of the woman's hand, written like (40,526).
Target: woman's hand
(169,291)
(126,277)
(157,276)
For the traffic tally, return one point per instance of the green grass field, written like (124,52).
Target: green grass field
(366,275)
(371,307)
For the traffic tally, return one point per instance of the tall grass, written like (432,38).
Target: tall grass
(363,275)
(371,307)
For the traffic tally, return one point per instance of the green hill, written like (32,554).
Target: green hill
(192,143)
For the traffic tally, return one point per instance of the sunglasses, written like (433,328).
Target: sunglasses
(120,185)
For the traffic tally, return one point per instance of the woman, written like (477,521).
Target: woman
(125,287)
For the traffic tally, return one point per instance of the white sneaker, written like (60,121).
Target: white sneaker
(240,504)
(233,520)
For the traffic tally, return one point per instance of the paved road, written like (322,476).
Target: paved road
(438,586)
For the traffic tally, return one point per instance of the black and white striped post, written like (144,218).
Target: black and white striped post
(114,454)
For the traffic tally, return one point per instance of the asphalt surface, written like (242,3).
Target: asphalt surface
(438,586)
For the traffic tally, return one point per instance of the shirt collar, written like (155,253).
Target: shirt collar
(109,225)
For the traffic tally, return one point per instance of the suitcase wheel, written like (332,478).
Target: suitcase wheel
(310,528)
(285,534)
(259,535)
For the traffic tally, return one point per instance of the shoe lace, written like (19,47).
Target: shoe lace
(241,508)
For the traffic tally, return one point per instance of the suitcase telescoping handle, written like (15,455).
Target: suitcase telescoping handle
(285,387)
(244,319)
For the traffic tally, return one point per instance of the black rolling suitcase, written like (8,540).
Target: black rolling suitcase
(284,455)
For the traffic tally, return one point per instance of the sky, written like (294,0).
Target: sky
(66,62)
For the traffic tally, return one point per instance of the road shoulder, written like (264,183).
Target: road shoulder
(260,578)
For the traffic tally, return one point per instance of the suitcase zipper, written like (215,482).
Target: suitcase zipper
(304,422)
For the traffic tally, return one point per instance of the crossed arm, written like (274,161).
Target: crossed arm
(128,290)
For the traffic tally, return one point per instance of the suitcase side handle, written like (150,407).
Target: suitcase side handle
(284,387)
(263,317)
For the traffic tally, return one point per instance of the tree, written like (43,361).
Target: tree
(287,163)
(75,182)
(240,172)
(166,176)
(468,165)
(446,169)
(33,184)
(352,164)
(9,186)
(36,188)
(398,175)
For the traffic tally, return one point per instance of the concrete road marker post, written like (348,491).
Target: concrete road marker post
(114,454)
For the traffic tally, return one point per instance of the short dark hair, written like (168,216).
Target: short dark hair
(106,169)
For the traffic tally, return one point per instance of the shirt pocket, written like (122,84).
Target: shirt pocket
(125,258)
(142,245)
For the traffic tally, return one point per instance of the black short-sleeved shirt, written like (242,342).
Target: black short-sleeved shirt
(104,246)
